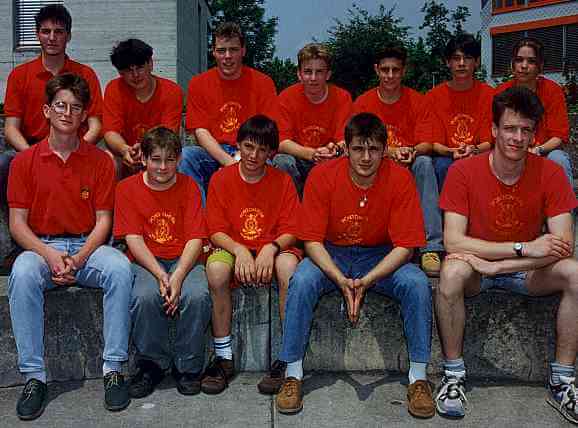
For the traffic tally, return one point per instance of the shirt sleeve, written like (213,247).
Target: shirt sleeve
(285,122)
(106,183)
(343,114)
(95,109)
(127,220)
(172,109)
(195,224)
(288,221)
(113,118)
(216,218)
(556,115)
(560,197)
(314,217)
(14,99)
(454,195)
(19,192)
(197,112)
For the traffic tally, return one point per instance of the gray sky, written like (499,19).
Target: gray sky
(302,20)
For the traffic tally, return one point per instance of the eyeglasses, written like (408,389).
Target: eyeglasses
(60,107)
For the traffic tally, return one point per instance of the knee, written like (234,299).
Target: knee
(145,297)
(219,276)
(454,275)
(116,267)
(26,273)
(305,280)
(417,288)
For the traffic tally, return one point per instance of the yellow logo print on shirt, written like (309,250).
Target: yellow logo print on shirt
(461,125)
(353,229)
(506,209)
(230,112)
(162,224)
(251,229)
(312,136)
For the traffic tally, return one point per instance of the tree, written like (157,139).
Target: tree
(259,32)
(354,44)
(283,72)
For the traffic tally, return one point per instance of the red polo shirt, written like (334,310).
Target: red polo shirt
(25,96)
(61,197)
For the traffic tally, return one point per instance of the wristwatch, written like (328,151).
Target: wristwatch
(540,151)
(518,246)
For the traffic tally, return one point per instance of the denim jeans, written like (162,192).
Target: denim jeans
(198,164)
(151,325)
(408,285)
(105,268)
(562,159)
(298,169)
(441,166)
(427,187)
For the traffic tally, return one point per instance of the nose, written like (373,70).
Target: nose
(366,155)
(227,53)
(518,134)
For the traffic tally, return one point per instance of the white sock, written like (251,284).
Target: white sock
(417,371)
(39,375)
(111,366)
(223,347)
(295,369)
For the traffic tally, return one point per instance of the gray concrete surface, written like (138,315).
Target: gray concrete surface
(331,400)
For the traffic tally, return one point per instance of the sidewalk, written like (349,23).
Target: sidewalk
(331,400)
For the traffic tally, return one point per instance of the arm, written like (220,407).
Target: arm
(552,144)
(499,257)
(94,127)
(117,144)
(244,262)
(13,135)
(397,257)
(442,150)
(297,150)
(97,237)
(212,146)
(184,265)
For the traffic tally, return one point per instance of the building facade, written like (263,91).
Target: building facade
(553,22)
(176,29)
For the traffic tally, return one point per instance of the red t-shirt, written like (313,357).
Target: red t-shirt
(387,213)
(166,220)
(554,123)
(221,106)
(461,117)
(61,197)
(125,114)
(407,120)
(25,96)
(500,213)
(313,125)
(253,214)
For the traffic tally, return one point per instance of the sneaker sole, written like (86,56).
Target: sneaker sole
(116,408)
(556,406)
(289,411)
(446,415)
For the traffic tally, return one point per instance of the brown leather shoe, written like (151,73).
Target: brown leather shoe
(217,375)
(290,398)
(420,401)
(273,381)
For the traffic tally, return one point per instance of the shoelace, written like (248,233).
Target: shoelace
(290,387)
(431,257)
(216,370)
(452,389)
(113,380)
(420,389)
(30,389)
(568,397)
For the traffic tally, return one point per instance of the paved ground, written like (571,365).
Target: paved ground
(331,400)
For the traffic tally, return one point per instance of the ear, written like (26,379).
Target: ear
(328,75)
(494,130)
(68,38)
(243,51)
(299,75)
(46,111)
(376,69)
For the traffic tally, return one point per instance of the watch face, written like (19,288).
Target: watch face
(517,246)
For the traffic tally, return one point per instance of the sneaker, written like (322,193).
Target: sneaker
(187,383)
(290,399)
(217,375)
(272,382)
(420,401)
(431,264)
(451,398)
(144,382)
(33,400)
(563,398)
(116,396)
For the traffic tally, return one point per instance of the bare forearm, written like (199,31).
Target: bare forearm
(423,149)
(485,249)
(523,264)
(94,127)
(318,253)
(442,150)
(96,238)
(297,150)
(224,241)
(396,258)
(552,144)
(116,143)
(143,255)
(15,138)
(188,258)
(212,146)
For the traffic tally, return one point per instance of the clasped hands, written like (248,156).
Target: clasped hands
(63,266)
(353,291)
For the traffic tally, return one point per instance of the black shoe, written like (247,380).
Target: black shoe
(144,382)
(116,396)
(273,381)
(32,401)
(187,383)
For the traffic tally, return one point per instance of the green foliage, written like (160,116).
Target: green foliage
(259,32)
(354,44)
(283,72)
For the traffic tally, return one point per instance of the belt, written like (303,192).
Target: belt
(64,236)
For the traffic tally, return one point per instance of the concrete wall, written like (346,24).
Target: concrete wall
(490,21)
(171,27)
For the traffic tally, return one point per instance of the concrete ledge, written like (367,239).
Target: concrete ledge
(507,336)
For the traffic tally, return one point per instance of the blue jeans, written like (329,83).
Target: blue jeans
(151,325)
(429,195)
(441,166)
(562,159)
(198,164)
(298,169)
(408,285)
(105,268)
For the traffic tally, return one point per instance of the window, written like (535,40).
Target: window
(501,6)
(560,47)
(24,26)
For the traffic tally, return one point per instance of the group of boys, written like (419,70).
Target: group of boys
(360,218)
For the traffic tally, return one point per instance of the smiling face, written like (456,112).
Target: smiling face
(462,66)
(138,77)
(161,168)
(66,113)
(53,38)
(390,72)
(514,134)
(314,74)
(525,65)
(365,157)
(228,54)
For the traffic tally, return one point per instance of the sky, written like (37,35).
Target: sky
(300,21)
